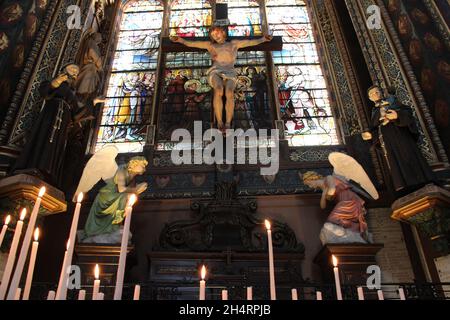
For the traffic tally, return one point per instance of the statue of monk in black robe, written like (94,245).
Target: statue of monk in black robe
(44,152)
(397,134)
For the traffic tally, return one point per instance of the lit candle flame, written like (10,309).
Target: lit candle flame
(335,261)
(203,273)
(36,234)
(7,219)
(23,214)
(97,272)
(42,192)
(80,197)
(267,223)
(132,200)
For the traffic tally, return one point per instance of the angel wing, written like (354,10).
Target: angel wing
(350,169)
(102,165)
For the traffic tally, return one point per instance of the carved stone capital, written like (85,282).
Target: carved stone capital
(23,187)
(428,209)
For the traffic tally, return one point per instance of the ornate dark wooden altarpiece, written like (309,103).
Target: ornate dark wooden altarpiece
(230,240)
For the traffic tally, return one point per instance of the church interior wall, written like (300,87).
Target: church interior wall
(393,259)
(300,211)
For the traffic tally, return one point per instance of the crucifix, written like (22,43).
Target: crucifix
(222,76)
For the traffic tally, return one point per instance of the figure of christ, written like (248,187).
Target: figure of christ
(222,76)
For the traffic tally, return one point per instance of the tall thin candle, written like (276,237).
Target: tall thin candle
(25,246)
(4,229)
(273,294)
(12,255)
(319,295)
(401,293)
(224,294)
(96,288)
(82,295)
(137,292)
(249,293)
(336,278)
(294,294)
(58,295)
(202,294)
(51,295)
(31,264)
(360,293)
(61,293)
(123,248)
(18,293)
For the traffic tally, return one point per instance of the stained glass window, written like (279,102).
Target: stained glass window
(190,18)
(131,85)
(302,92)
(245,18)
(187,94)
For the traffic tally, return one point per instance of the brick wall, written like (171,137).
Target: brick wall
(393,259)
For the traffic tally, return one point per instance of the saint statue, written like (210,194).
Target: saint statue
(108,208)
(346,223)
(222,76)
(91,64)
(45,150)
(396,136)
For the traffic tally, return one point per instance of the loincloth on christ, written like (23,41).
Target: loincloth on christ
(226,73)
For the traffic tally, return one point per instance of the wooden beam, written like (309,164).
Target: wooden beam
(276,44)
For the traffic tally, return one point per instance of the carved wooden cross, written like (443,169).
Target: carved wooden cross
(224,57)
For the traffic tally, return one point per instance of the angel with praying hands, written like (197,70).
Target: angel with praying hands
(222,76)
(346,223)
(108,208)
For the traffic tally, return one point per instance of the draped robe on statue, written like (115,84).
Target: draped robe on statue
(45,149)
(349,211)
(108,208)
(408,168)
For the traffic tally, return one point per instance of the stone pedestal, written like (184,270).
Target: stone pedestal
(23,189)
(428,209)
(86,256)
(353,262)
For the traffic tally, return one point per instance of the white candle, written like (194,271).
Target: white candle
(25,246)
(249,293)
(18,293)
(96,288)
(380,295)
(12,255)
(224,294)
(401,292)
(202,294)
(100,296)
(319,295)
(4,229)
(61,293)
(31,264)
(273,294)
(137,292)
(360,293)
(82,295)
(123,248)
(336,278)
(294,294)
(51,295)
(64,268)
